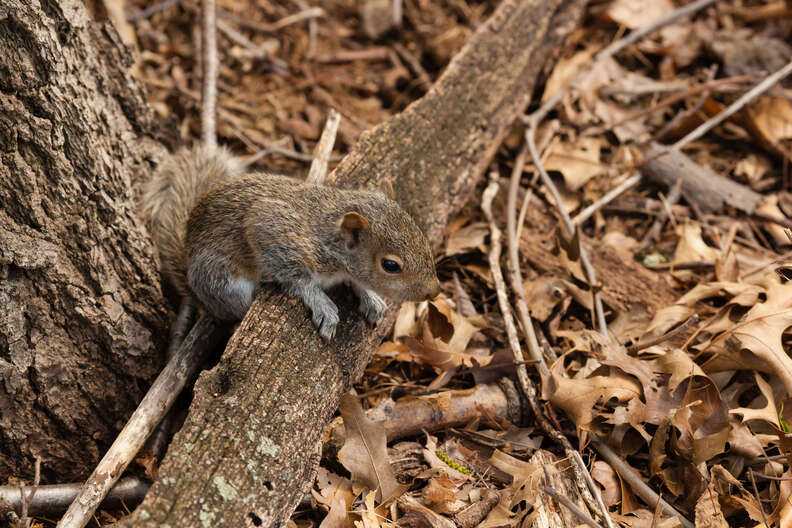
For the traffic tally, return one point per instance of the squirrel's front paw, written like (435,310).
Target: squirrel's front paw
(372,306)
(326,320)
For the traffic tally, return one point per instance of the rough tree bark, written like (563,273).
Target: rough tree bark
(81,313)
(250,444)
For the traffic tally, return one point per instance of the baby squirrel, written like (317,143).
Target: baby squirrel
(221,232)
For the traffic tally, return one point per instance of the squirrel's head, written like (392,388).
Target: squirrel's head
(389,253)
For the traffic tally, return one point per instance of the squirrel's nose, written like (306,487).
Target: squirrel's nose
(434,290)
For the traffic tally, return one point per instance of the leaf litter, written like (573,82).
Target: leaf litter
(703,415)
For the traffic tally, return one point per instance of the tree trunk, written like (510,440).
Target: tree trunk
(82,315)
(250,445)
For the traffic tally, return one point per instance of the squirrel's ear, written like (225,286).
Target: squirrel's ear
(352,225)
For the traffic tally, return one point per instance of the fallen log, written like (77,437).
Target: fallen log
(249,447)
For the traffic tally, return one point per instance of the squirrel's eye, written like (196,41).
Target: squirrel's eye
(391,266)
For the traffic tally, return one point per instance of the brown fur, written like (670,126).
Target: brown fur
(221,233)
(172,193)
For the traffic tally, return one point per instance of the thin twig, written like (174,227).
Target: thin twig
(764,217)
(180,369)
(770,477)
(256,51)
(582,475)
(158,442)
(758,498)
(210,69)
(27,500)
(318,172)
(594,489)
(635,482)
(607,198)
(679,266)
(152,10)
(654,232)
(53,499)
(735,107)
(692,320)
(500,284)
(653,26)
(568,227)
(397,13)
(306,14)
(571,506)
(514,266)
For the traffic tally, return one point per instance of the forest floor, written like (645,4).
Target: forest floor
(689,386)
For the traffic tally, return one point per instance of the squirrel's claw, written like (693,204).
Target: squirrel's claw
(372,306)
(326,321)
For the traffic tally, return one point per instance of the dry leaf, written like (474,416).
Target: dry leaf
(770,119)
(752,168)
(544,294)
(565,71)
(501,515)
(365,451)
(335,492)
(369,516)
(768,413)
(637,13)
(577,397)
(577,162)
(419,515)
(769,206)
(467,239)
(691,247)
(757,336)
(702,421)
(607,478)
(708,510)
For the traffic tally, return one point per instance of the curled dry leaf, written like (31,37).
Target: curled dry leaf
(370,517)
(752,168)
(784,506)
(502,515)
(443,495)
(438,465)
(438,336)
(566,70)
(691,248)
(544,294)
(418,515)
(768,413)
(365,451)
(578,396)
(769,207)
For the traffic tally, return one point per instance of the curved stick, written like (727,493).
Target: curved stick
(184,364)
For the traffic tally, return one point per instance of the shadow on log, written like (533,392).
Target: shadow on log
(250,446)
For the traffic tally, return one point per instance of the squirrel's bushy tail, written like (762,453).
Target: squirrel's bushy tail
(171,194)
